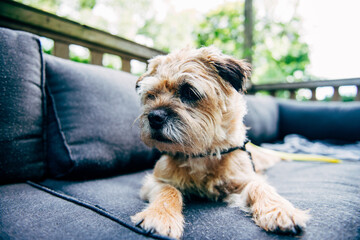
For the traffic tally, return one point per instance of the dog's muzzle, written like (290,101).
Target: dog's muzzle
(157,118)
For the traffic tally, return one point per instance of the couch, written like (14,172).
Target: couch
(72,162)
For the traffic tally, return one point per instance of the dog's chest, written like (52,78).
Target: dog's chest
(200,181)
(210,179)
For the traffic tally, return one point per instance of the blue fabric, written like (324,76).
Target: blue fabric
(22,154)
(91,124)
(95,208)
(330,191)
(320,120)
(29,213)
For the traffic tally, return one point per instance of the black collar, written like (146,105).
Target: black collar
(226,151)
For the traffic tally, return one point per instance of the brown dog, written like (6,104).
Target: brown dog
(193,110)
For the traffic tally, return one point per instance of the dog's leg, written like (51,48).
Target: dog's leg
(270,211)
(163,214)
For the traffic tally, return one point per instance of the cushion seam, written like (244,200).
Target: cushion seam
(44,110)
(97,209)
(62,134)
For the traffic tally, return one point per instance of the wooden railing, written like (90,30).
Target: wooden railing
(65,32)
(311,85)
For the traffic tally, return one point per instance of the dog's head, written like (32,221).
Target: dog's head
(192,101)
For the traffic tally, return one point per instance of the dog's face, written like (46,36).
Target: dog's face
(192,100)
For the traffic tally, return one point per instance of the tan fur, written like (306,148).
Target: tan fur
(208,126)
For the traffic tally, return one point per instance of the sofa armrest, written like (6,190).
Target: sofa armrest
(320,120)
(22,107)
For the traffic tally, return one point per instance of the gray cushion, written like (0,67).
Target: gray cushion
(330,191)
(320,120)
(91,129)
(28,213)
(262,119)
(21,107)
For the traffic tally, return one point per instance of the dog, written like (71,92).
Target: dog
(192,111)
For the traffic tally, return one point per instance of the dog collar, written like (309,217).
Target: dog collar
(242,148)
(201,155)
(226,151)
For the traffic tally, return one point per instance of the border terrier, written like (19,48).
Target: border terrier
(192,111)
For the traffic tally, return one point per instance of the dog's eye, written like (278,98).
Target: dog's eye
(189,94)
(150,96)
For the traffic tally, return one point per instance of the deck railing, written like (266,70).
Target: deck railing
(65,32)
(272,89)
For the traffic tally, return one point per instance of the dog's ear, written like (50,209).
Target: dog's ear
(232,70)
(236,72)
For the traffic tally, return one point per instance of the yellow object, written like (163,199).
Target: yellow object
(298,157)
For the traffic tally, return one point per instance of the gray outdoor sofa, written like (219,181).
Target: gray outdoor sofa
(72,162)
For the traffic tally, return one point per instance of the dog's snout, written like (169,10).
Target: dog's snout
(157,118)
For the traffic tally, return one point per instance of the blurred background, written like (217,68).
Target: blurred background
(290,40)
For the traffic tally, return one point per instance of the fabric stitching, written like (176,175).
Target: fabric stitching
(62,134)
(95,208)
(44,110)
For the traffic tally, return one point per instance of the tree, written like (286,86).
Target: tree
(224,28)
(172,32)
(279,54)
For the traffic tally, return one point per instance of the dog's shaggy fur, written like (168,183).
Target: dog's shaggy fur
(193,110)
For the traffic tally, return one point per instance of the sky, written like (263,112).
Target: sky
(330,27)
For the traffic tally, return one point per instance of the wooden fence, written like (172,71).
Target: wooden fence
(65,32)
(311,85)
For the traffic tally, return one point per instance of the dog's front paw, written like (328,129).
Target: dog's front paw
(160,221)
(282,219)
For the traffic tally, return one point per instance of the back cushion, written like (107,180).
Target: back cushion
(21,107)
(320,120)
(91,127)
(262,119)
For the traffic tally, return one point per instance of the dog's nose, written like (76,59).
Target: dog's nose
(157,118)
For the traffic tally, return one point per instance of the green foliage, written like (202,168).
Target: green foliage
(284,94)
(223,28)
(90,4)
(279,54)
(348,98)
(45,5)
(79,59)
(48,51)
(170,33)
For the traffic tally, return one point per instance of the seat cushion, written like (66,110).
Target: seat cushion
(22,154)
(92,130)
(329,191)
(28,213)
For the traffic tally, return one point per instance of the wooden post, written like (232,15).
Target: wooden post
(292,94)
(313,94)
(357,97)
(125,64)
(96,57)
(61,49)
(336,96)
(248,26)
